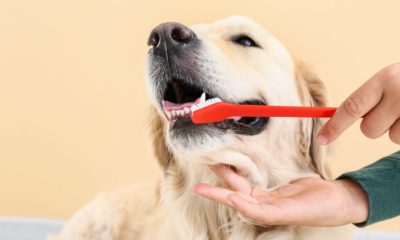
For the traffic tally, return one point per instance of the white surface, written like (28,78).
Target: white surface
(27,228)
(38,229)
(376,236)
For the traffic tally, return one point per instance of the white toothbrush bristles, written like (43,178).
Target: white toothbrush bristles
(205,103)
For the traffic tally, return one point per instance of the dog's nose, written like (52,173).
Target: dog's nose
(172,33)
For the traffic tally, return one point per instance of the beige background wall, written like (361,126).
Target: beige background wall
(73,101)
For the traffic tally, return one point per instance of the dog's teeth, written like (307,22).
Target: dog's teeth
(194,108)
(203,97)
(175,114)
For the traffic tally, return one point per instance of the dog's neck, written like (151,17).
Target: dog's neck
(199,218)
(195,217)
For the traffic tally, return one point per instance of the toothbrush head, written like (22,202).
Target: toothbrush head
(209,111)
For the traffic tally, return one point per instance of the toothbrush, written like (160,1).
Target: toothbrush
(215,110)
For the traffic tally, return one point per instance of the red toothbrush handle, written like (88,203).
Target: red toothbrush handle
(283,111)
(220,111)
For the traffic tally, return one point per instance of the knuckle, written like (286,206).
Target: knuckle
(394,136)
(353,107)
(368,130)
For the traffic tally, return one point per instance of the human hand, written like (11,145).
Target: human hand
(307,201)
(378,100)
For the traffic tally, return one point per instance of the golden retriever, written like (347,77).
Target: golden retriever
(238,61)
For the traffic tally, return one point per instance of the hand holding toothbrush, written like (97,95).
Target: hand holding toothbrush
(377,101)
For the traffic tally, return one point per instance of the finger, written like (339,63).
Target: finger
(381,118)
(287,190)
(218,194)
(354,107)
(261,193)
(394,132)
(214,193)
(230,178)
(264,214)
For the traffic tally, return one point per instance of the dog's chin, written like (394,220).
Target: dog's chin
(186,136)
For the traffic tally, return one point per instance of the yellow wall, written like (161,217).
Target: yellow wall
(73,102)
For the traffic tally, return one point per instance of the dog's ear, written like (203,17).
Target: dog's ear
(157,134)
(312,93)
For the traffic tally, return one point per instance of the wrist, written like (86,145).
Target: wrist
(355,200)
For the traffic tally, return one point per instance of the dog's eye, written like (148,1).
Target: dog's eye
(245,41)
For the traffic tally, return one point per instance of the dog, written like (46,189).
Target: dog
(238,61)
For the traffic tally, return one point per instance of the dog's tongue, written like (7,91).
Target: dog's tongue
(176,106)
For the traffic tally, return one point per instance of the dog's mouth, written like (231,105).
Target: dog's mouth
(179,96)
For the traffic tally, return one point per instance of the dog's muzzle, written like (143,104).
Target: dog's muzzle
(171,38)
(179,79)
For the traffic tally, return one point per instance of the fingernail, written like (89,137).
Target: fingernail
(322,139)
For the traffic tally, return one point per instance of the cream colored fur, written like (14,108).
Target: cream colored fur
(284,151)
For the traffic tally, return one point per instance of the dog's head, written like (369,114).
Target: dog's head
(237,61)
